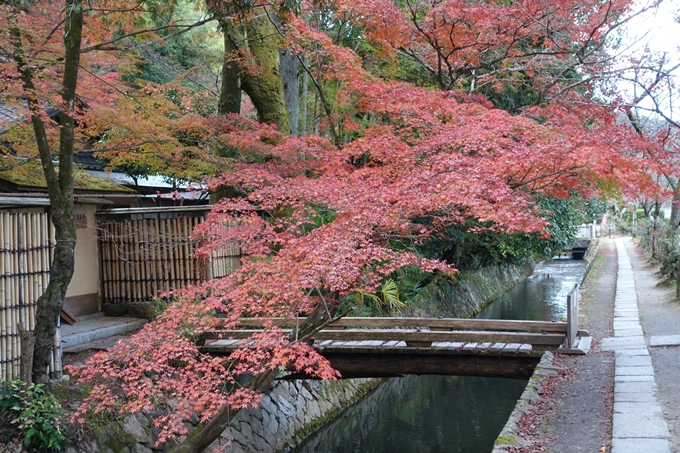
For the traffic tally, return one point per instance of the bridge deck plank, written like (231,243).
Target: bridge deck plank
(409,335)
(375,347)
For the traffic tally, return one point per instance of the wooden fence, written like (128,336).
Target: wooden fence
(151,252)
(26,238)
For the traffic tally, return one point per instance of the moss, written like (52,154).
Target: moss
(505,439)
(66,391)
(113,437)
(30,175)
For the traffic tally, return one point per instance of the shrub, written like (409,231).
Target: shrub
(665,246)
(37,416)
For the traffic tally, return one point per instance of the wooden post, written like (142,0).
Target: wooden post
(4,305)
(572,316)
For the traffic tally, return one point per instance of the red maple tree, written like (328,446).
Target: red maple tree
(323,222)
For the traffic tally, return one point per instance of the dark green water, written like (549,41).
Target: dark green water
(542,296)
(448,414)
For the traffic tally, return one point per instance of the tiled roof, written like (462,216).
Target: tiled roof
(9,115)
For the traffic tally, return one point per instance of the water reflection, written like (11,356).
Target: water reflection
(449,414)
(422,414)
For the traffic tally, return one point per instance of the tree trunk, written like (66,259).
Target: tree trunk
(230,89)
(289,65)
(51,301)
(204,435)
(59,185)
(677,280)
(290,75)
(303,104)
(27,347)
(265,87)
(675,207)
(655,230)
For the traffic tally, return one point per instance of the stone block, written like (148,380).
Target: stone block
(622,333)
(138,448)
(623,343)
(635,387)
(632,352)
(239,437)
(634,397)
(260,444)
(664,340)
(621,370)
(634,361)
(246,429)
(638,426)
(642,409)
(132,426)
(633,378)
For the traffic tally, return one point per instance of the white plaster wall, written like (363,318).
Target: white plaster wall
(86,274)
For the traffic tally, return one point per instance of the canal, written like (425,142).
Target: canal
(449,414)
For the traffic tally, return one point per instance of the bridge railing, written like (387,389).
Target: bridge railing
(434,324)
(415,332)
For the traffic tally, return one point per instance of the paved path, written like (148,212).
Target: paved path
(638,424)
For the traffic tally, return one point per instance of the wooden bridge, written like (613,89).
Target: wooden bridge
(375,347)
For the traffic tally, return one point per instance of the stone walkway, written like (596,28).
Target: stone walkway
(638,424)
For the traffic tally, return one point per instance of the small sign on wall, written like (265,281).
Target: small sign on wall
(80,216)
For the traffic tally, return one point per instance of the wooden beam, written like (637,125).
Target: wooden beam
(379,365)
(432,323)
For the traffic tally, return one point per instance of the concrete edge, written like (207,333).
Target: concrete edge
(509,435)
(592,253)
(87,336)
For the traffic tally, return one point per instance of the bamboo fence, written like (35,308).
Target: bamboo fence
(26,240)
(142,258)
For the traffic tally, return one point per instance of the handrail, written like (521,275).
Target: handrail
(431,323)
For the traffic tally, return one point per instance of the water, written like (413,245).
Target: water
(449,414)
(421,414)
(540,297)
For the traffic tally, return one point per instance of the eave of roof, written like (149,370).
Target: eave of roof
(30,176)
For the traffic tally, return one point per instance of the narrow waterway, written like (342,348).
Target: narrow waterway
(449,414)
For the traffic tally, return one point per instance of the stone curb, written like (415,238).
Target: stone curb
(590,257)
(509,436)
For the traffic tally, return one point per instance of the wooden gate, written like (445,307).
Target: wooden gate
(151,252)
(26,238)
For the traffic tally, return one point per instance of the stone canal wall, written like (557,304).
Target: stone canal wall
(473,291)
(288,413)
(510,439)
(292,411)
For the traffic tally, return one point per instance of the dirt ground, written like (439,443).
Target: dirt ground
(579,418)
(576,415)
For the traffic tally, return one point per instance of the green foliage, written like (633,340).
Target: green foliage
(474,245)
(385,302)
(664,244)
(37,415)
(593,209)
